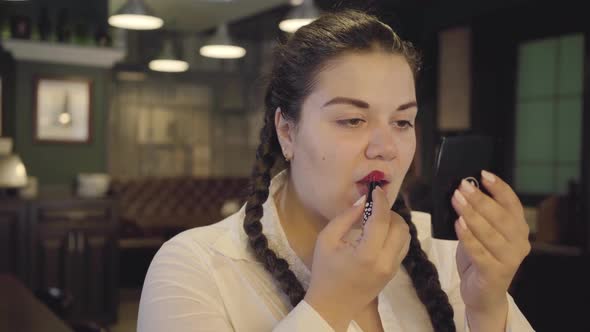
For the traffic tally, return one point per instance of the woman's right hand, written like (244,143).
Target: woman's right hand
(346,277)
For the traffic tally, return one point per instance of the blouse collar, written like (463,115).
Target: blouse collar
(234,243)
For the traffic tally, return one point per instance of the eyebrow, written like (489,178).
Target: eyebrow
(363,104)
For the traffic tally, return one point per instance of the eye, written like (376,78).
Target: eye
(404,124)
(351,123)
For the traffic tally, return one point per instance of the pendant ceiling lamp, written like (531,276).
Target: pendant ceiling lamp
(302,14)
(220,46)
(135,15)
(167,61)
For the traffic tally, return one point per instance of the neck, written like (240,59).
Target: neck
(301,226)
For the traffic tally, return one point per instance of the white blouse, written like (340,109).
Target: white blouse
(207,279)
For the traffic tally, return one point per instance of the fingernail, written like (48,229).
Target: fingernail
(360,201)
(467,186)
(488,176)
(462,223)
(460,197)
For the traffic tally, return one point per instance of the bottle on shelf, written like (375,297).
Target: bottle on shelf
(44,25)
(20,27)
(63,29)
(102,37)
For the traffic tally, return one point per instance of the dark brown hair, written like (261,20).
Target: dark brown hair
(296,65)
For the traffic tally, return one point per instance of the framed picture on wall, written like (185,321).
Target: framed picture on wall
(62,110)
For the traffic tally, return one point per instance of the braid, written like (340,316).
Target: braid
(259,191)
(425,277)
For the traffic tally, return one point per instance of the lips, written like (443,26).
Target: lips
(374,176)
(378,176)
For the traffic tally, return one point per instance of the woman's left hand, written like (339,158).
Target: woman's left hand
(493,242)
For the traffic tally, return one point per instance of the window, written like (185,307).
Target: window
(549,114)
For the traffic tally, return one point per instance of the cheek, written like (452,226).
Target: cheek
(321,146)
(321,157)
(406,144)
(406,151)
(410,149)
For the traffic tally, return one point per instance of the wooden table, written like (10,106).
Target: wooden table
(20,310)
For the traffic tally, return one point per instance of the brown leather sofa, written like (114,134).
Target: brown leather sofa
(152,210)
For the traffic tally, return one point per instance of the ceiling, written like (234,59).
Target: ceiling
(199,15)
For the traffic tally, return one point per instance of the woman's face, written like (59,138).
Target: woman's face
(359,118)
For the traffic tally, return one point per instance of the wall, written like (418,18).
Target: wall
(58,164)
(226,109)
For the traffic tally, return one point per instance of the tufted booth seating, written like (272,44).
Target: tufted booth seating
(152,210)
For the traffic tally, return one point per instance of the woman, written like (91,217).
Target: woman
(340,115)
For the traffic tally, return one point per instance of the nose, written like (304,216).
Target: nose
(382,143)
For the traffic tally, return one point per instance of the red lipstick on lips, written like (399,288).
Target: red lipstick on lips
(376,176)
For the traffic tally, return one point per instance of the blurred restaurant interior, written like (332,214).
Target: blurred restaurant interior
(117,134)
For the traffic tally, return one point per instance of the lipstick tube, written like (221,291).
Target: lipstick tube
(369,204)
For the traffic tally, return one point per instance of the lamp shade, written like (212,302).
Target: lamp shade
(135,15)
(167,61)
(220,46)
(12,172)
(299,16)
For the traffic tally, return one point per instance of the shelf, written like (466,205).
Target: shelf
(48,52)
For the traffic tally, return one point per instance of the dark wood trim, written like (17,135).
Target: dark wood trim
(585,182)
(8,74)
(90,85)
(493,68)
(2,79)
(427,94)
(16,211)
(75,221)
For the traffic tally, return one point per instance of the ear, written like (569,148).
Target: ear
(286,134)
